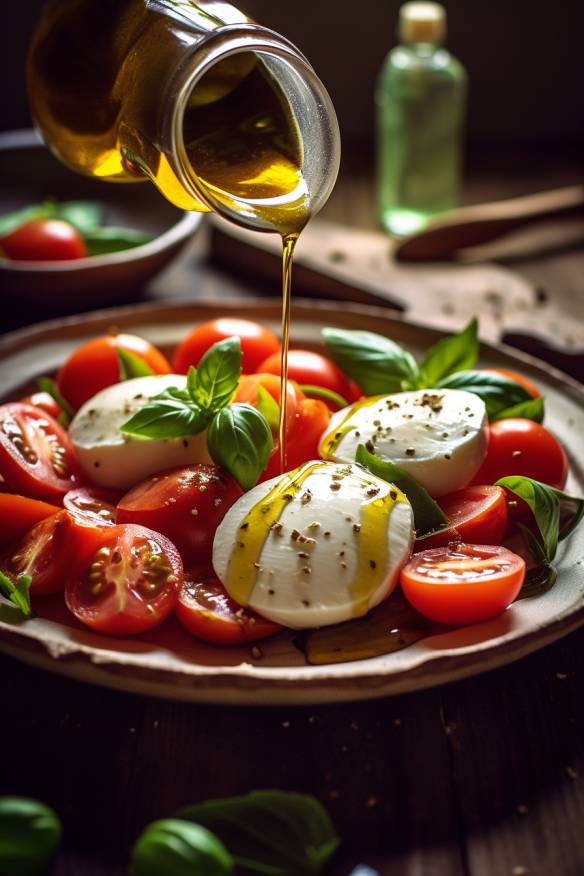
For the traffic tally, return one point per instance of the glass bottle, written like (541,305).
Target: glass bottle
(420,103)
(219,112)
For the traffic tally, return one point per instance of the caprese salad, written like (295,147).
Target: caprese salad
(139,487)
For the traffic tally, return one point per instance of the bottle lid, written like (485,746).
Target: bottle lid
(421,22)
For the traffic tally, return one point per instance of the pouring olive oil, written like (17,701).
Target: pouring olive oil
(219,113)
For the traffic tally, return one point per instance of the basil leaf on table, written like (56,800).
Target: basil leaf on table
(213,384)
(48,385)
(239,440)
(180,848)
(18,594)
(109,239)
(548,506)
(378,364)
(130,365)
(428,515)
(456,353)
(269,407)
(527,410)
(497,392)
(30,833)
(327,395)
(166,418)
(270,832)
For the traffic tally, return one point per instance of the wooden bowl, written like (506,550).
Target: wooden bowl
(30,174)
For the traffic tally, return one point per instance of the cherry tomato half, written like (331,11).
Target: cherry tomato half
(206,610)
(94,366)
(43,553)
(462,584)
(313,369)
(36,456)
(125,580)
(247,393)
(522,447)
(45,402)
(257,343)
(477,515)
(527,385)
(18,514)
(184,504)
(44,240)
(92,506)
(312,419)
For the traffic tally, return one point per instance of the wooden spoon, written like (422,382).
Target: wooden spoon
(471,226)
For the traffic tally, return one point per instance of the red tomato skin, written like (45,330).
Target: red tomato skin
(206,610)
(462,602)
(18,515)
(45,402)
(167,503)
(36,479)
(527,385)
(92,506)
(522,447)
(257,343)
(477,515)
(247,392)
(126,621)
(43,240)
(94,366)
(303,439)
(43,553)
(313,369)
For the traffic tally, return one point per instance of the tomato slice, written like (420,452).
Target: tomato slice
(43,554)
(206,610)
(477,515)
(18,514)
(463,584)
(125,580)
(45,402)
(36,456)
(92,505)
(522,447)
(185,504)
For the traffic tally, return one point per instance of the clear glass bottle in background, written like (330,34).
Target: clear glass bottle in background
(420,104)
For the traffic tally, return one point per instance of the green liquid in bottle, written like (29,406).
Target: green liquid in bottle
(421,99)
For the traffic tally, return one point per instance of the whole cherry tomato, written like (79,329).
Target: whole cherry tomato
(522,447)
(44,240)
(257,343)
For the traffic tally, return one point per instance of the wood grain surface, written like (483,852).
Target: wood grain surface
(484,777)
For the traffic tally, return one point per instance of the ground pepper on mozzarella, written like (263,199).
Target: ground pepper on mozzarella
(439,436)
(317,562)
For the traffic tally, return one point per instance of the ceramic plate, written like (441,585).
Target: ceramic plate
(169,663)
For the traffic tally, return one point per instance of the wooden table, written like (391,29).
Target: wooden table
(482,777)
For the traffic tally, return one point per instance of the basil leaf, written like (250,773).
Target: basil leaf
(497,392)
(30,833)
(48,385)
(239,440)
(527,410)
(192,382)
(130,365)
(11,221)
(271,832)
(269,407)
(215,381)
(85,216)
(428,515)
(326,395)
(378,364)
(456,353)
(174,393)
(166,418)
(18,594)
(548,506)
(180,848)
(109,239)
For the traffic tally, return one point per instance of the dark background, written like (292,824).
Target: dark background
(524,58)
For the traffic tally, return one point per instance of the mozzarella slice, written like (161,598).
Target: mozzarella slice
(111,459)
(439,436)
(316,546)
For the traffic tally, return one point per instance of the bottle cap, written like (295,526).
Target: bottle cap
(422,23)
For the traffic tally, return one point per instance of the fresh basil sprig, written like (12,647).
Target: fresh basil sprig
(239,439)
(428,515)
(458,352)
(48,385)
(213,384)
(556,513)
(528,410)
(29,836)
(378,364)
(180,848)
(269,407)
(498,392)
(131,366)
(18,594)
(270,832)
